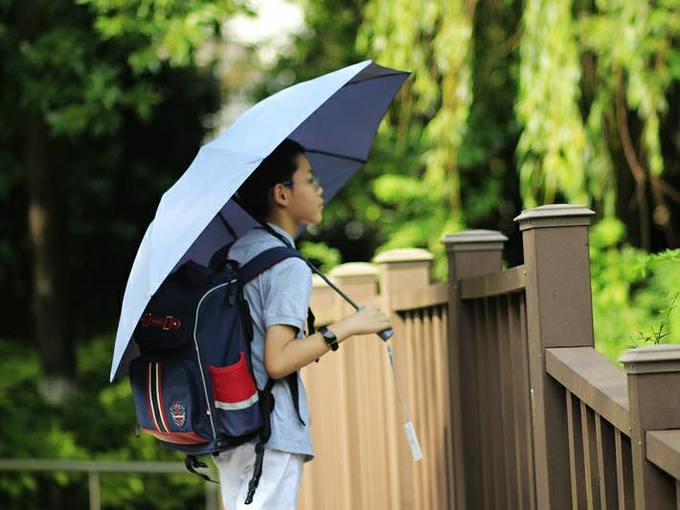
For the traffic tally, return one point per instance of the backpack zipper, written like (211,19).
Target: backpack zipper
(198,356)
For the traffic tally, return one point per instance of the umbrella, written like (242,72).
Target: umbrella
(334,116)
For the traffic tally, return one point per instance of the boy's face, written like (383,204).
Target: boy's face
(305,204)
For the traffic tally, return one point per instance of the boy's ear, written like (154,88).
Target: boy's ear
(279,195)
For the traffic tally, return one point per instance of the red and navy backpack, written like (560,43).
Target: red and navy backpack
(193,384)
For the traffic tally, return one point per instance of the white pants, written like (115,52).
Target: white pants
(278,488)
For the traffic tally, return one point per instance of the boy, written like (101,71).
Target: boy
(284,192)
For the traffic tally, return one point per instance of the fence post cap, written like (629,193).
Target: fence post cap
(474,240)
(401,255)
(554,215)
(654,359)
(351,269)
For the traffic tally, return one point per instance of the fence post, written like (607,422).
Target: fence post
(94,490)
(357,365)
(559,314)
(470,253)
(401,270)
(654,400)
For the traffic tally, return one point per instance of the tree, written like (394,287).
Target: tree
(511,104)
(72,73)
(587,109)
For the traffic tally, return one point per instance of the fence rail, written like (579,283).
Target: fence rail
(594,380)
(94,468)
(494,284)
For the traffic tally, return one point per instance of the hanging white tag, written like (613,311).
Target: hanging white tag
(412,439)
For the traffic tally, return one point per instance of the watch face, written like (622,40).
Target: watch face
(329,337)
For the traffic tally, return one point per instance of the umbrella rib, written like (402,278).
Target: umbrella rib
(336,155)
(375,78)
(226,224)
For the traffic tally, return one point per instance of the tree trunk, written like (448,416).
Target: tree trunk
(46,231)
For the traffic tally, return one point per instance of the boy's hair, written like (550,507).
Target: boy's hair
(279,166)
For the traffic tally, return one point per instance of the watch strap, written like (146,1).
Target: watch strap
(329,337)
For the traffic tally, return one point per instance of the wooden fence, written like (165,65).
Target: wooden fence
(540,419)
(363,460)
(513,406)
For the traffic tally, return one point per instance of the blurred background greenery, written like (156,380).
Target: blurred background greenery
(511,104)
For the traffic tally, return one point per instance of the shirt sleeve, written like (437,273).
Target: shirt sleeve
(287,289)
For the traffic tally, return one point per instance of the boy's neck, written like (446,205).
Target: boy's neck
(286,223)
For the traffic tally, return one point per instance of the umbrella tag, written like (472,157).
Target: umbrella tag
(413,443)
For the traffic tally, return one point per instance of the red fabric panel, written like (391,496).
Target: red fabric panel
(233,383)
(177,437)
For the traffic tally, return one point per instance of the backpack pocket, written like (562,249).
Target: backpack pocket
(237,410)
(166,401)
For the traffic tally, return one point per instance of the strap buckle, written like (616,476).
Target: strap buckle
(171,323)
(166,323)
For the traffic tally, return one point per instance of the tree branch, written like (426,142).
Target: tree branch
(634,165)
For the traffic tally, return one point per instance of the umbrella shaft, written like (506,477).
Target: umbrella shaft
(385,334)
(332,285)
(285,241)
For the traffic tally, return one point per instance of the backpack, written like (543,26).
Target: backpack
(193,384)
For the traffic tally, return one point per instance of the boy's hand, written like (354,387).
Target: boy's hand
(366,321)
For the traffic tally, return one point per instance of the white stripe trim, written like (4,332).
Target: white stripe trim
(235,406)
(198,354)
(149,385)
(158,398)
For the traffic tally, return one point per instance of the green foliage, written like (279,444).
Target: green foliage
(325,44)
(173,30)
(574,73)
(110,135)
(320,253)
(660,331)
(552,146)
(640,58)
(430,119)
(82,66)
(98,424)
(633,291)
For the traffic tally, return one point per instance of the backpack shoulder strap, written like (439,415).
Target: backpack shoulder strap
(264,261)
(258,265)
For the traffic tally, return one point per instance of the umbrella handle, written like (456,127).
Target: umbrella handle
(386,334)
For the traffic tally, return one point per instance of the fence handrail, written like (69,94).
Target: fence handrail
(663,449)
(494,284)
(594,380)
(94,467)
(425,297)
(101,466)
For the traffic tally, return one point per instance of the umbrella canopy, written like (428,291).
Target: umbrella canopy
(334,117)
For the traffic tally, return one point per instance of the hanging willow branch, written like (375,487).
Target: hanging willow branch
(434,40)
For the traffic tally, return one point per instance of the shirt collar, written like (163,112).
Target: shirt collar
(282,232)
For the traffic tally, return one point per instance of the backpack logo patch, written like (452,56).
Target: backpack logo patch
(178,413)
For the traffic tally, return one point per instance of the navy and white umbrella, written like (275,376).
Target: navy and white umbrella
(334,117)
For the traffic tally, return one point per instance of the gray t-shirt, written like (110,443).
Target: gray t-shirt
(280,295)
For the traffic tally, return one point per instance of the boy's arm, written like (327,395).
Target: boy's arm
(287,290)
(284,354)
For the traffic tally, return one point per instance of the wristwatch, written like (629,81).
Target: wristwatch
(329,337)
